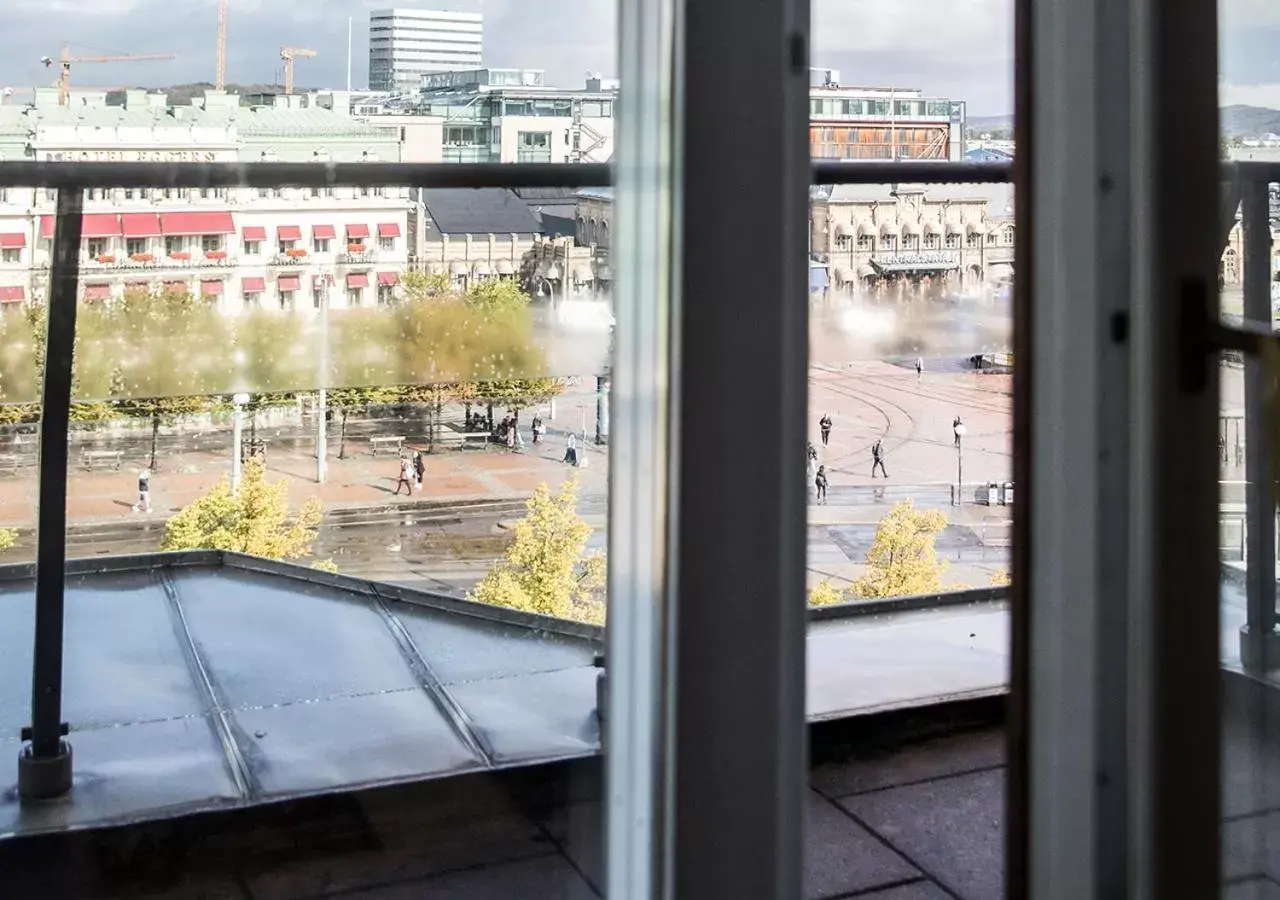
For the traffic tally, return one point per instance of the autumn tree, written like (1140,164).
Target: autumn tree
(357,399)
(546,569)
(902,561)
(253,519)
(1000,578)
(8,537)
(826,594)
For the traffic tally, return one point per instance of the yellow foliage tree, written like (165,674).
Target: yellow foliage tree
(8,537)
(825,594)
(254,519)
(1000,578)
(546,569)
(902,561)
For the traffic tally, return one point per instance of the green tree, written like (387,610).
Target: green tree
(546,569)
(517,394)
(902,561)
(254,519)
(8,537)
(826,594)
(349,400)
(497,294)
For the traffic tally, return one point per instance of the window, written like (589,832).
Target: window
(931,241)
(973,239)
(387,244)
(533,146)
(211,243)
(910,242)
(253,248)
(953,241)
(134,246)
(174,244)
(95,247)
(10,255)
(843,242)
(320,245)
(866,242)
(355,297)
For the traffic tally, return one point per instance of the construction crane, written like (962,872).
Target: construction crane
(289,54)
(221,81)
(65,59)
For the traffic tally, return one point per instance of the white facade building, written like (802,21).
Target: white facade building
(405,44)
(242,247)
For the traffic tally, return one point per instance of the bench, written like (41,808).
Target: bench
(10,461)
(463,439)
(395,442)
(90,458)
(251,449)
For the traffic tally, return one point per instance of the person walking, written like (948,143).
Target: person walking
(571,450)
(406,477)
(820,482)
(919,368)
(824,424)
(144,492)
(419,468)
(877,458)
(955,429)
(537,429)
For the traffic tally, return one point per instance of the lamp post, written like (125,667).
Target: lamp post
(603,383)
(960,431)
(322,441)
(238,401)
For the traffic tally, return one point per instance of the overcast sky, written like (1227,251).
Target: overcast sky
(957,48)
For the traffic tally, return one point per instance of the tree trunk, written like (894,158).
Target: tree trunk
(342,436)
(155,439)
(489,416)
(436,412)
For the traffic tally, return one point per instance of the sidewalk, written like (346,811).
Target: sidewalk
(358,480)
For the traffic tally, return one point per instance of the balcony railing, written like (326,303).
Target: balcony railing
(157,262)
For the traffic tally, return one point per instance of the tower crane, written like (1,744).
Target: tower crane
(289,54)
(221,81)
(65,59)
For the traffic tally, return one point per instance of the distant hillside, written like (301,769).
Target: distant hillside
(181,94)
(1237,121)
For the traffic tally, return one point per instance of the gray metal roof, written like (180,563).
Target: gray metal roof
(478,211)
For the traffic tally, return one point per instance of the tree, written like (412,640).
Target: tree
(546,569)
(902,561)
(8,537)
(826,594)
(517,394)
(254,519)
(1000,578)
(345,400)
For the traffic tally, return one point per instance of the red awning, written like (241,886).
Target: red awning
(288,233)
(289,282)
(357,280)
(253,285)
(189,223)
(97,291)
(96,225)
(389,230)
(357,231)
(14,294)
(388,278)
(140,224)
(255,233)
(211,288)
(13,241)
(177,287)
(137,287)
(323,232)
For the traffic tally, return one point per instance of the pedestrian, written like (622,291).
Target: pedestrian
(537,429)
(812,451)
(820,482)
(571,450)
(144,492)
(955,429)
(419,468)
(825,425)
(406,476)
(919,368)
(877,458)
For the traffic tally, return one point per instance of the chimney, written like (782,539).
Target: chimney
(135,99)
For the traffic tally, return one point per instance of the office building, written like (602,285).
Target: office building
(405,44)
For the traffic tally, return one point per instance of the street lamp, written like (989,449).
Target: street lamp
(238,401)
(960,431)
(322,443)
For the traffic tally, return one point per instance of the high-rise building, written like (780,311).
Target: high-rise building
(405,44)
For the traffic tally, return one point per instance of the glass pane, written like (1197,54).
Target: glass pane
(910,431)
(387,406)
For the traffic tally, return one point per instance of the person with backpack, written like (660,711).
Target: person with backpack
(877,458)
(820,482)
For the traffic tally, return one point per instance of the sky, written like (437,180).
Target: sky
(962,49)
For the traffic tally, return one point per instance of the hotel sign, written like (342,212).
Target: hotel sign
(151,156)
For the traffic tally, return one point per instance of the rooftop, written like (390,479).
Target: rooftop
(478,211)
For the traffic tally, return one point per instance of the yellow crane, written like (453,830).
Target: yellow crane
(220,81)
(65,59)
(289,54)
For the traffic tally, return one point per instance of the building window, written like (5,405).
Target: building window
(911,242)
(355,296)
(51,195)
(889,242)
(843,242)
(210,243)
(95,247)
(386,294)
(931,241)
(320,245)
(865,242)
(1008,234)
(953,241)
(286,246)
(11,256)
(533,146)
(252,248)
(174,245)
(133,246)
(386,243)
(973,240)
(286,299)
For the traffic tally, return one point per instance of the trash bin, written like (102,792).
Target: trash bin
(1006,496)
(993,494)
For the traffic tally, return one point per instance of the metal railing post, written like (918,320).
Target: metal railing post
(44,766)
(1258,634)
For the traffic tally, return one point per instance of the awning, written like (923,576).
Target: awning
(952,228)
(388,279)
(97,291)
(136,287)
(973,229)
(177,287)
(253,285)
(15,294)
(389,230)
(843,230)
(818,279)
(482,269)
(211,289)
(887,229)
(910,227)
(190,223)
(357,280)
(140,225)
(505,267)
(13,241)
(930,228)
(254,233)
(289,282)
(844,275)
(583,273)
(288,233)
(357,231)
(866,272)
(323,232)
(458,267)
(96,225)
